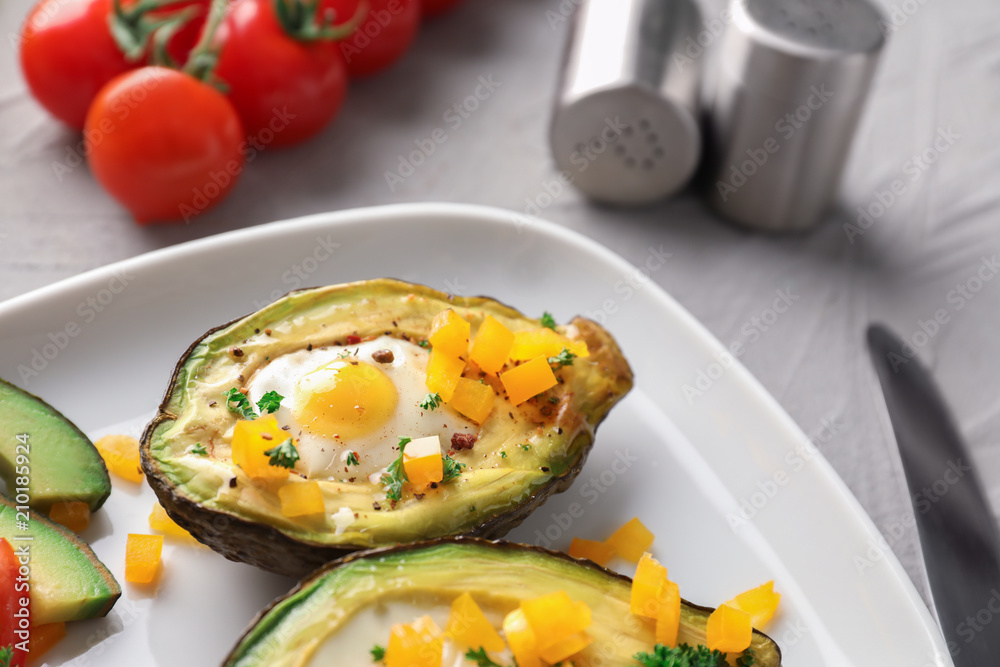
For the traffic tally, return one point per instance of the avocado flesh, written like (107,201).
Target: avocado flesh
(502,484)
(333,612)
(64,465)
(68,582)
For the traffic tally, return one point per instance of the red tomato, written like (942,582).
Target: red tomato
(164,144)
(435,7)
(67,55)
(10,606)
(284,90)
(384,36)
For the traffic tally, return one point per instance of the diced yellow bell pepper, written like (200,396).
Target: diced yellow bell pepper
(142,557)
(491,348)
(473,399)
(469,627)
(450,333)
(161,521)
(647,595)
(424,471)
(555,617)
(631,540)
(529,379)
(121,455)
(521,639)
(760,603)
(301,499)
(668,621)
(417,644)
(443,373)
(544,342)
(565,648)
(599,552)
(729,630)
(43,637)
(73,514)
(250,440)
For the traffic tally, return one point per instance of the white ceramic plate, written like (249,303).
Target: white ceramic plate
(733,490)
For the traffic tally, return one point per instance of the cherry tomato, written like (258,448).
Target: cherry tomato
(186,37)
(164,144)
(284,90)
(382,38)
(68,54)
(435,7)
(10,606)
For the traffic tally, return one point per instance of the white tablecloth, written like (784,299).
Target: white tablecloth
(929,254)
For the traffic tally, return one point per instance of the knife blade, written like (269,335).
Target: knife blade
(958,534)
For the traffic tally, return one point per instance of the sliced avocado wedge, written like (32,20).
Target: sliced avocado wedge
(68,582)
(522,453)
(340,612)
(62,463)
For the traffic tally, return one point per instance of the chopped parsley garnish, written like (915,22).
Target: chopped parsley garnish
(347,353)
(480,658)
(548,321)
(564,358)
(378,653)
(238,402)
(352,458)
(553,399)
(284,455)
(525,447)
(747,659)
(430,401)
(503,455)
(452,468)
(198,449)
(6,655)
(426,344)
(269,402)
(395,474)
(686,655)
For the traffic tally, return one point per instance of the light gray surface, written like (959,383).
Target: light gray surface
(939,74)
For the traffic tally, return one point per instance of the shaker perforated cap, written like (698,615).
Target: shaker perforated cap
(624,128)
(791,78)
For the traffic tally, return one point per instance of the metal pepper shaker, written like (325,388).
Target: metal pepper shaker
(788,84)
(625,126)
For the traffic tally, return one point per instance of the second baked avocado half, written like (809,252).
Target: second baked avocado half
(375,413)
(343,613)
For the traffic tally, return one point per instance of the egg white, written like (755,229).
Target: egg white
(326,458)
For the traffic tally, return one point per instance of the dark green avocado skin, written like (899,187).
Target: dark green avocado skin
(488,566)
(64,464)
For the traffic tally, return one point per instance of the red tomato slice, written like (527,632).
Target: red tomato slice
(11,623)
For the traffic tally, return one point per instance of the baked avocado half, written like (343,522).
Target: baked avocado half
(337,615)
(345,370)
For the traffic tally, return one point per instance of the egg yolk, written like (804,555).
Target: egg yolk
(344,399)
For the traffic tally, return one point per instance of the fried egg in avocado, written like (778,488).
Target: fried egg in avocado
(358,399)
(496,412)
